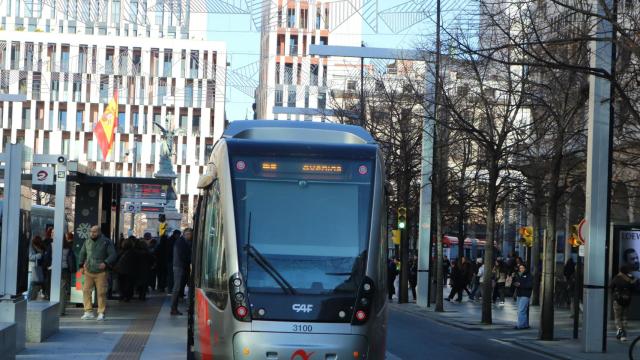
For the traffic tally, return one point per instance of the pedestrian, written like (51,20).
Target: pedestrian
(125,268)
(413,276)
(47,259)
(181,265)
(622,285)
(392,272)
(476,280)
(36,254)
(500,274)
(523,284)
(457,282)
(467,275)
(446,264)
(144,261)
(96,256)
(569,270)
(175,236)
(68,272)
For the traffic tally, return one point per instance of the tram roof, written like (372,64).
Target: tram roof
(280,130)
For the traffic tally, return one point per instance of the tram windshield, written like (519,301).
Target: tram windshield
(302,224)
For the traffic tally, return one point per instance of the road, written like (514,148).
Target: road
(413,337)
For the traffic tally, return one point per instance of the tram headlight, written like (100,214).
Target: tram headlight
(237,282)
(241,311)
(239,297)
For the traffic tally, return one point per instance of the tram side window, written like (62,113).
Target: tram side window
(214,270)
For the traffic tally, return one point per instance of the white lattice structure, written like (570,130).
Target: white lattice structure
(68,73)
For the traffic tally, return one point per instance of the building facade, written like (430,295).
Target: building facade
(68,67)
(293,84)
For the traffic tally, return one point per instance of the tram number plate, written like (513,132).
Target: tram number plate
(303,328)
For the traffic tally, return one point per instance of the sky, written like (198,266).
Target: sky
(243,43)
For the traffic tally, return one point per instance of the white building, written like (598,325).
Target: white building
(68,63)
(294,85)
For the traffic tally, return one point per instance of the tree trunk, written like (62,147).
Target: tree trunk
(488,247)
(548,272)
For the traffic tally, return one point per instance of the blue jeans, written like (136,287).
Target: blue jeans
(523,312)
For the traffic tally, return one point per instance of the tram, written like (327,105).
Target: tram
(289,245)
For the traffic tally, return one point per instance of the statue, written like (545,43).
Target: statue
(166,150)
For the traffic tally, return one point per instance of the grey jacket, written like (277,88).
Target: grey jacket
(96,252)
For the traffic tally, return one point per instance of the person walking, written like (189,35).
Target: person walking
(467,275)
(47,259)
(392,272)
(523,284)
(68,272)
(475,286)
(171,241)
(457,282)
(125,268)
(36,268)
(96,256)
(181,266)
(446,264)
(413,276)
(143,264)
(622,285)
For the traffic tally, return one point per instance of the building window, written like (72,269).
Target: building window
(167,63)
(291,17)
(318,18)
(303,18)
(62,119)
(82,59)
(291,101)
(208,149)
(277,73)
(115,11)
(55,84)
(322,100)
(324,40)
(293,45)
(326,18)
(121,122)
(183,122)
(79,120)
(280,45)
(135,118)
(77,86)
(188,94)
(35,90)
(278,95)
(306,98)
(299,75)
(288,74)
(64,65)
(324,75)
(195,125)
(314,74)
(193,64)
(26,118)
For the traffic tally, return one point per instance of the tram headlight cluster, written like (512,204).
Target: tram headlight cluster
(363,306)
(239,300)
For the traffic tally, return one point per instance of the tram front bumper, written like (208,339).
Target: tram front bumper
(294,346)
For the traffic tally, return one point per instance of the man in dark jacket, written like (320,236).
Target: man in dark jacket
(457,282)
(622,285)
(392,272)
(96,256)
(523,284)
(181,267)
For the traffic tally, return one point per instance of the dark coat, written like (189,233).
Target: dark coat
(182,253)
(126,262)
(523,283)
(143,261)
(458,279)
(622,286)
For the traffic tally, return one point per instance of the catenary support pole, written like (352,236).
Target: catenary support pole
(597,186)
(58,231)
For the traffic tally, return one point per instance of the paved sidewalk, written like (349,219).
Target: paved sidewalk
(135,330)
(467,315)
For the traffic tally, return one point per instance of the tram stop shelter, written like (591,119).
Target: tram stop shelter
(80,195)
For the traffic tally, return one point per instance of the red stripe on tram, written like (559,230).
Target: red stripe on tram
(204,330)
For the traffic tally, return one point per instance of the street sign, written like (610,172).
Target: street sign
(132,208)
(42,175)
(581,225)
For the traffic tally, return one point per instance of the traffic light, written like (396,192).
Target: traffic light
(396,237)
(402,217)
(574,237)
(526,233)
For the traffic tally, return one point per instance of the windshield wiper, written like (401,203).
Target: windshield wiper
(266,265)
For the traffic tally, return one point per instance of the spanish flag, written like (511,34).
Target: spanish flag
(105,128)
